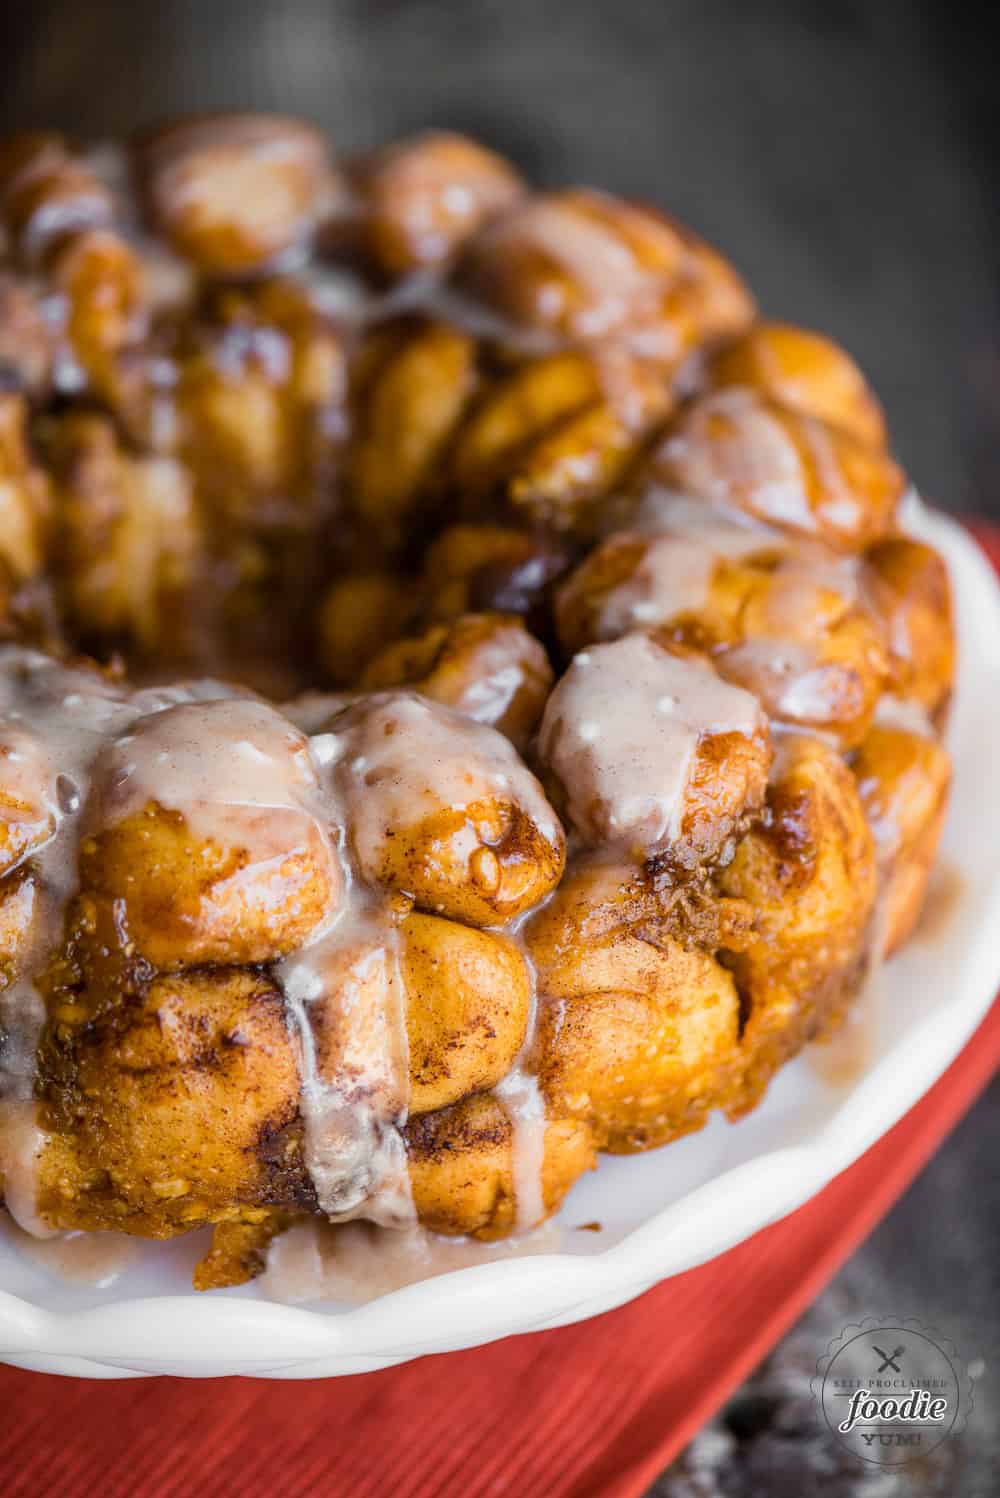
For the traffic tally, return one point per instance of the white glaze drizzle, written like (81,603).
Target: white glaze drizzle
(345,993)
(782,664)
(502,663)
(401,758)
(672,576)
(659,510)
(53,719)
(524,1104)
(586,253)
(242,774)
(621,729)
(748,455)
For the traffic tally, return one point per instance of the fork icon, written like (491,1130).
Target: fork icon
(888,1358)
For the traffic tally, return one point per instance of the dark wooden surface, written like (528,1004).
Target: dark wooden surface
(843,154)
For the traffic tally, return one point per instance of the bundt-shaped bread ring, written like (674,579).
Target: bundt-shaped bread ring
(519,723)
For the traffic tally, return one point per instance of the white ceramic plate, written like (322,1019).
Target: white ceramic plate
(661,1213)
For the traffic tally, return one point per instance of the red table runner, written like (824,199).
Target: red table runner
(590,1411)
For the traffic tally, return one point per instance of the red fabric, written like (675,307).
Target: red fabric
(591,1411)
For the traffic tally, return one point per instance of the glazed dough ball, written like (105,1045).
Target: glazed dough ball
(468,995)
(517,410)
(711,302)
(443,810)
(205,825)
(809,872)
(639,581)
(653,751)
(560,479)
(904,779)
(174,1108)
(551,438)
(912,592)
(809,646)
(470,567)
(741,450)
(575,262)
(792,625)
(47,194)
(462,1167)
(234,192)
(638,1031)
(589,267)
(485,666)
(423,197)
(804,372)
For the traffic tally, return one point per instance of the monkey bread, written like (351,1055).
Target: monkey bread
(468,700)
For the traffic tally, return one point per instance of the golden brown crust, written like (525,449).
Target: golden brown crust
(189,900)
(810,875)
(590,267)
(638,1031)
(422,198)
(468,996)
(912,593)
(742,450)
(129,536)
(461,1167)
(381,427)
(234,192)
(904,779)
(239,1249)
(485,665)
(175,1105)
(804,372)
(550,439)
(406,412)
(511,867)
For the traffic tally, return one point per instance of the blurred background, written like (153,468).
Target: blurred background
(838,151)
(843,154)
